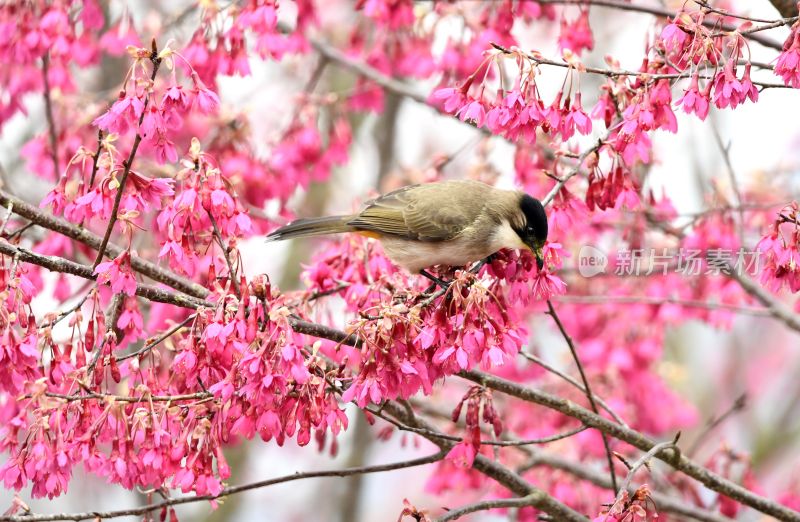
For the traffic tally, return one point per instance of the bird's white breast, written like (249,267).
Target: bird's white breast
(471,246)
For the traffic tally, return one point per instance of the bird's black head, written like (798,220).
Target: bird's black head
(534,230)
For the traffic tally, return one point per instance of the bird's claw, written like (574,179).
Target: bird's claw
(444,285)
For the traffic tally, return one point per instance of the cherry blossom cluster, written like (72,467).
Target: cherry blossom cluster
(219,45)
(260,381)
(479,408)
(788,64)
(518,113)
(780,250)
(401,44)
(51,32)
(408,344)
(204,207)
(693,49)
(631,508)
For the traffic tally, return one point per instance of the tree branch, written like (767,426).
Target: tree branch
(455,514)
(775,306)
(505,443)
(538,360)
(59,264)
(127,398)
(48,111)
(225,492)
(657,11)
(128,164)
(494,470)
(588,390)
(650,300)
(64,227)
(710,479)
(361,69)
(666,503)
(643,460)
(613,73)
(787,8)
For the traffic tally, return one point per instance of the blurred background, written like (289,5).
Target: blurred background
(709,368)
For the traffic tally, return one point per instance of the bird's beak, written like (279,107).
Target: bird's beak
(537,251)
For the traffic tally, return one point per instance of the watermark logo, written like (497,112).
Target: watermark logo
(662,261)
(591,261)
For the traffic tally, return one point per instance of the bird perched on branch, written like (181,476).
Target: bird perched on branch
(444,223)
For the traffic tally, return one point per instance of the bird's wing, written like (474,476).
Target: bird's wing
(430,212)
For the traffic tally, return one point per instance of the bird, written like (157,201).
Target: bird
(453,222)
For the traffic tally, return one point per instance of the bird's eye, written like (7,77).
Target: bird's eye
(529,230)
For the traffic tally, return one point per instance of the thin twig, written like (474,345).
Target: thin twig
(62,226)
(48,111)
(589,394)
(161,338)
(231,490)
(572,172)
(738,405)
(504,443)
(455,514)
(64,313)
(59,264)
(232,277)
(9,211)
(96,157)
(316,75)
(681,463)
(705,5)
(20,230)
(127,164)
(655,450)
(614,73)
(726,156)
(660,11)
(773,25)
(325,293)
(542,440)
(538,360)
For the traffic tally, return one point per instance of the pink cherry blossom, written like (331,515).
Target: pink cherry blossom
(695,101)
(788,63)
(118,274)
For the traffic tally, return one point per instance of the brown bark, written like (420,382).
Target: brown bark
(787,8)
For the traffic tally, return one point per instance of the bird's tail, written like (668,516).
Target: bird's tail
(312,227)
